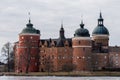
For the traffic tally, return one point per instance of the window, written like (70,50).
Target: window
(116,55)
(89,57)
(22,37)
(105,57)
(35,64)
(105,62)
(52,56)
(83,49)
(83,57)
(79,42)
(96,62)
(65,50)
(116,63)
(31,37)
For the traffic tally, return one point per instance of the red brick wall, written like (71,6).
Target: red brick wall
(59,56)
(27,43)
(82,54)
(100,61)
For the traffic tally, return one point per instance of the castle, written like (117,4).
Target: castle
(80,53)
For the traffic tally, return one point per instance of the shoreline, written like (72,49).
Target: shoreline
(64,74)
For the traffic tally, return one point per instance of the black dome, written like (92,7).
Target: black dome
(30,29)
(82,32)
(101,30)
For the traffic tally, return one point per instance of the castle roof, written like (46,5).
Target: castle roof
(81,32)
(30,29)
(100,29)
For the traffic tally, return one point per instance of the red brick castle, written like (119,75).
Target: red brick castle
(80,53)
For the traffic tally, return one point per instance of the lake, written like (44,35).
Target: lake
(56,78)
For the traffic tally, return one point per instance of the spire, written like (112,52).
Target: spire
(101,15)
(82,24)
(62,24)
(100,20)
(62,31)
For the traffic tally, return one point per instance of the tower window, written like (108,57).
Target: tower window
(105,57)
(83,49)
(79,42)
(31,37)
(22,37)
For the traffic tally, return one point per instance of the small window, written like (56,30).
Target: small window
(83,57)
(105,57)
(79,42)
(65,50)
(22,37)
(31,37)
(83,49)
(96,62)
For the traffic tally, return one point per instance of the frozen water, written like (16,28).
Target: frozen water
(56,78)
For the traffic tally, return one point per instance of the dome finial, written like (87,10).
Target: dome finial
(29,17)
(82,24)
(100,15)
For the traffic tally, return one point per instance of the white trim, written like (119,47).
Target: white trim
(25,47)
(29,34)
(101,35)
(80,46)
(81,38)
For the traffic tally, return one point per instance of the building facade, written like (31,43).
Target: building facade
(79,53)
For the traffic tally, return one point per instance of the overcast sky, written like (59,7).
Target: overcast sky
(46,15)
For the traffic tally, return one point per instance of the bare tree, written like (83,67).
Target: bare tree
(8,54)
(26,56)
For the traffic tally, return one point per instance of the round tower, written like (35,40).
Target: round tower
(81,43)
(28,49)
(100,45)
(100,36)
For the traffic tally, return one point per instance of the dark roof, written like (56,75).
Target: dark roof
(82,32)
(60,42)
(101,30)
(30,29)
(55,41)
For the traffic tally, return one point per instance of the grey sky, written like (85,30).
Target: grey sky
(46,15)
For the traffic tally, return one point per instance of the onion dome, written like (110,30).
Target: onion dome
(30,29)
(82,32)
(61,39)
(100,29)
